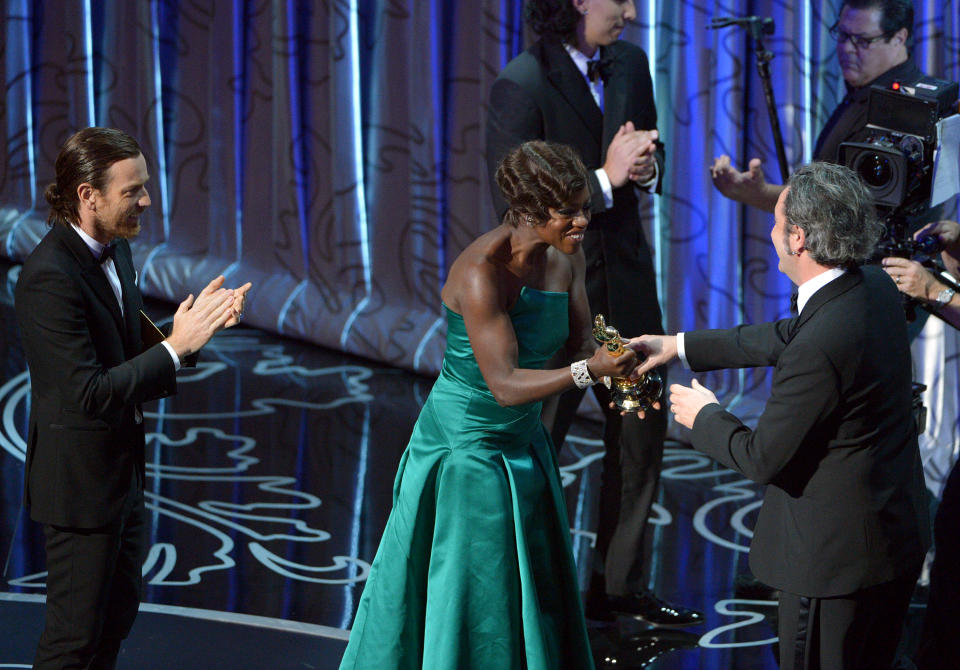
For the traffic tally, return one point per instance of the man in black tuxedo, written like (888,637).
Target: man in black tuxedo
(843,528)
(78,308)
(580,86)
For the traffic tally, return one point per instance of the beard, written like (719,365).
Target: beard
(128,226)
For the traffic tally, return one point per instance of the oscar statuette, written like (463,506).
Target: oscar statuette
(630,395)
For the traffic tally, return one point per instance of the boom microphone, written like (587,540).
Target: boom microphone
(757,25)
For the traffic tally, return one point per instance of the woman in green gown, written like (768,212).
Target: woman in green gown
(475,569)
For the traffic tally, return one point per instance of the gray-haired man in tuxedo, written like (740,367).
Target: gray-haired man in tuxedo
(843,528)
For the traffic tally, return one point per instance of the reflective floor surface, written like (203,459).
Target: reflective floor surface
(269,484)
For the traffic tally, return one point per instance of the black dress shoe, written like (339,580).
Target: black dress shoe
(641,649)
(646,607)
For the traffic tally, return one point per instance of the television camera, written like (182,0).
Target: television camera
(895,155)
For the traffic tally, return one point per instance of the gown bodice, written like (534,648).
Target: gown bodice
(541,325)
(540,322)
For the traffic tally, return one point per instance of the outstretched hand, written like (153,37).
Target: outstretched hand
(657,349)
(749,187)
(687,401)
(654,350)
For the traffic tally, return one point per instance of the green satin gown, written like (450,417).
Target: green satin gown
(475,569)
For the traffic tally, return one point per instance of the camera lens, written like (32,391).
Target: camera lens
(874,169)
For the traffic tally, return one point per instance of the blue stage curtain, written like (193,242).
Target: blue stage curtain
(332,152)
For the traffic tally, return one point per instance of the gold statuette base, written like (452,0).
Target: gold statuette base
(634,396)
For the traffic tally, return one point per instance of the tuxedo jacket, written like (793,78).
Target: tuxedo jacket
(541,95)
(88,376)
(836,445)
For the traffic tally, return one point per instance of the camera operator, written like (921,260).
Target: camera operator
(914,280)
(873,40)
(943,607)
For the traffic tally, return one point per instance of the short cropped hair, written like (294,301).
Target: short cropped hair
(539,175)
(834,209)
(85,158)
(897,14)
(552,19)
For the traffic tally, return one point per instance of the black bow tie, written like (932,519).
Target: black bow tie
(600,67)
(793,303)
(109,251)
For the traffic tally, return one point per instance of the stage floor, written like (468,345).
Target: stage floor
(269,483)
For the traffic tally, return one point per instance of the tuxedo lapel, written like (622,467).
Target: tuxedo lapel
(131,306)
(614,95)
(570,83)
(91,272)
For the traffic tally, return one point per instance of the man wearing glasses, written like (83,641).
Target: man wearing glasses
(873,39)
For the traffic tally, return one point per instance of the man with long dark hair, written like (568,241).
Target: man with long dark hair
(78,308)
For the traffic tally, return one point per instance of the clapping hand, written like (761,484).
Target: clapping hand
(644,166)
(239,304)
(197,320)
(631,155)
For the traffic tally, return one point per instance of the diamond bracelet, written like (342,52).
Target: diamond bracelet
(580,374)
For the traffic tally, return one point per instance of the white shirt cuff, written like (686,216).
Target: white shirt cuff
(605,186)
(173,355)
(681,352)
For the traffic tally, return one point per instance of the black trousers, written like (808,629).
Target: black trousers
(859,631)
(631,474)
(93,590)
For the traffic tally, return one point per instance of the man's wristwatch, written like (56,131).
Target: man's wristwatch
(943,298)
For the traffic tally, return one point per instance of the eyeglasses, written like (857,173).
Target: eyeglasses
(859,42)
